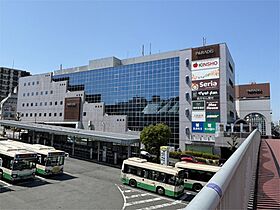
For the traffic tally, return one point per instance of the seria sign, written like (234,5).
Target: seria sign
(205,84)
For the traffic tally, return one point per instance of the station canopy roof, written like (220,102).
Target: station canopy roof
(118,138)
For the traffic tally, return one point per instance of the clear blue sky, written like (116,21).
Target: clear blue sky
(40,35)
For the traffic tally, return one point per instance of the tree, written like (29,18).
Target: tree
(275,130)
(233,144)
(155,136)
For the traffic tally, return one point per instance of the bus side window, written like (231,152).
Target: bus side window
(154,175)
(132,170)
(146,173)
(39,159)
(161,177)
(139,172)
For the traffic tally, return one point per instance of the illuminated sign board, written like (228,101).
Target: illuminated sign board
(209,127)
(198,105)
(255,91)
(197,127)
(213,116)
(25,156)
(205,64)
(206,52)
(198,116)
(205,95)
(213,105)
(209,84)
(206,74)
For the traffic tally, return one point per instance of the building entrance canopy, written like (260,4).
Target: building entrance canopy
(117,138)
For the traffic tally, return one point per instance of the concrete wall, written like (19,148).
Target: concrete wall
(96,119)
(32,91)
(185,121)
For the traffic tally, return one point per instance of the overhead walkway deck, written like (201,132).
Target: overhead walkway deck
(268,191)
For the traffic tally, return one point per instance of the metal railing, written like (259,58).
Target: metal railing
(231,186)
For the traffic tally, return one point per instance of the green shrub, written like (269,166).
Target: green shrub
(175,154)
(193,153)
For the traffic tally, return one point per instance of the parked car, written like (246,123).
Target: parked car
(188,158)
(145,154)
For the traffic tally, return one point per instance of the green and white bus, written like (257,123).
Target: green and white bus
(196,175)
(165,180)
(16,163)
(49,161)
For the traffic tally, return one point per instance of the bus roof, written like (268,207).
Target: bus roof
(10,149)
(38,148)
(197,166)
(134,161)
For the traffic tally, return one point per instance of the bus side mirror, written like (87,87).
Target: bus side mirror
(1,162)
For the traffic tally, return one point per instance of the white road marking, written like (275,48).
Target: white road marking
(5,184)
(136,196)
(42,178)
(127,191)
(160,206)
(143,201)
(67,173)
(124,199)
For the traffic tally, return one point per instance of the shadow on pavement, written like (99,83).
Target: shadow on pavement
(61,177)
(4,189)
(36,182)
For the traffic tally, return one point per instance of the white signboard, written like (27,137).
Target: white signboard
(198,116)
(164,155)
(206,64)
(206,74)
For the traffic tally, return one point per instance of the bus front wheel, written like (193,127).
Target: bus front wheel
(133,183)
(197,187)
(160,191)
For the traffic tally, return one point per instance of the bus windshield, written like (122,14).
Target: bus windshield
(55,161)
(23,164)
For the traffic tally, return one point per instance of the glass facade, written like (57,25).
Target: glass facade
(148,92)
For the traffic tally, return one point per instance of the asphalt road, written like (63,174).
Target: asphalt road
(84,185)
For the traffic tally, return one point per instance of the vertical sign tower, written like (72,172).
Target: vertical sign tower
(205,89)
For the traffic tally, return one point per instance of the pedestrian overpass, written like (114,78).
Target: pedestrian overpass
(249,179)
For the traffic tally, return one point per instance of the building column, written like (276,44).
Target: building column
(33,136)
(128,151)
(98,150)
(90,153)
(52,138)
(73,146)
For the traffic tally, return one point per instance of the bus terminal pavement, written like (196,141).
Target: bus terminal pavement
(84,185)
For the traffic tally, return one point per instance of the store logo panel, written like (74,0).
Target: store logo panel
(209,84)
(206,52)
(197,127)
(209,127)
(213,116)
(198,105)
(206,74)
(212,105)
(205,95)
(205,64)
(198,116)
